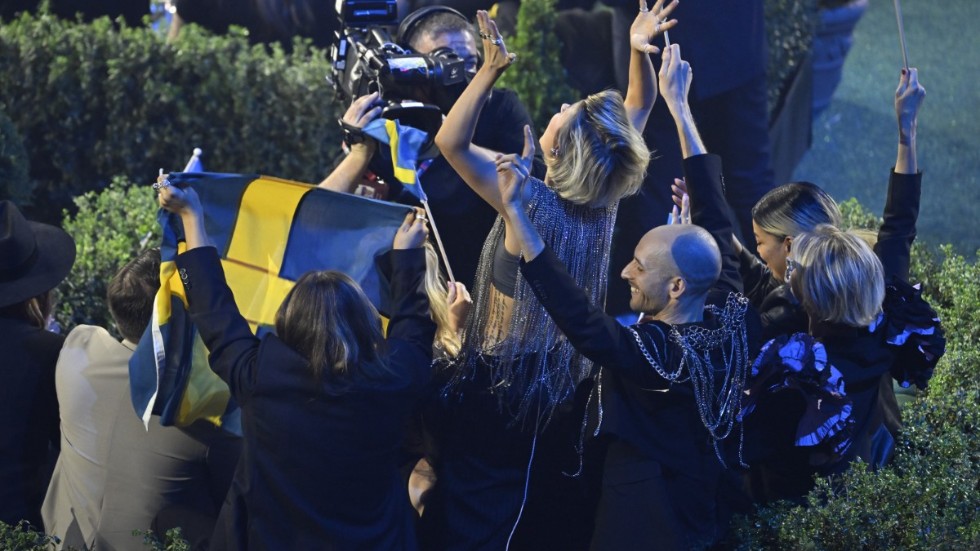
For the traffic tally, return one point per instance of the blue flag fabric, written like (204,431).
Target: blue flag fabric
(268,233)
(406,144)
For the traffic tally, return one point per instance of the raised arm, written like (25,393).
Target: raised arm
(641,92)
(908,99)
(346,176)
(455,138)
(898,230)
(411,331)
(593,333)
(232,348)
(702,172)
(675,84)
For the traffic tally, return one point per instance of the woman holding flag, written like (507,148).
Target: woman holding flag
(514,357)
(324,401)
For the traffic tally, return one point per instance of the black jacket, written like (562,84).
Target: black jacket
(29,407)
(318,465)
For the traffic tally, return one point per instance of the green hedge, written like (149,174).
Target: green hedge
(94,100)
(537,75)
(14,181)
(110,228)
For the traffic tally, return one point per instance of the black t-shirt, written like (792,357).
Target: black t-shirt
(462,217)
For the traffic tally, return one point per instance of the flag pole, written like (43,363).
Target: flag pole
(901,34)
(435,232)
(195,159)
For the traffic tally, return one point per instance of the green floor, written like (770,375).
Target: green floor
(854,140)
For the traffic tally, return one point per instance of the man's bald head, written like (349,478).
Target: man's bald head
(690,250)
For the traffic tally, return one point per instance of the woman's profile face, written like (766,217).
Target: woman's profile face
(549,137)
(773,250)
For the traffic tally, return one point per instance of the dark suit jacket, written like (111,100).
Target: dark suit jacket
(29,408)
(663,424)
(318,465)
(657,420)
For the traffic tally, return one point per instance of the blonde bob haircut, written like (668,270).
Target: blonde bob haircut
(601,156)
(837,277)
(794,208)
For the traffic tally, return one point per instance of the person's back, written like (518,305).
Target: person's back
(28,402)
(318,461)
(34,258)
(324,400)
(91,379)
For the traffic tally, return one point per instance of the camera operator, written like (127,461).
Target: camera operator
(463,218)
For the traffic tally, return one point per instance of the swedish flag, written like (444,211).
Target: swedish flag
(268,233)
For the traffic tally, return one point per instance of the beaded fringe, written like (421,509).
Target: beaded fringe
(531,361)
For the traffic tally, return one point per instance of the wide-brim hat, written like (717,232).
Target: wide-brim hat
(34,257)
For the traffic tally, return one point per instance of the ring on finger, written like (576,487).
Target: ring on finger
(497,41)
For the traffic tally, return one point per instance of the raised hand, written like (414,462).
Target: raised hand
(513,172)
(495,55)
(185,203)
(675,79)
(908,99)
(681,212)
(649,24)
(678,190)
(180,201)
(459,305)
(413,231)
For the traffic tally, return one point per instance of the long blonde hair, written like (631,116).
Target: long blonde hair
(438,291)
(601,156)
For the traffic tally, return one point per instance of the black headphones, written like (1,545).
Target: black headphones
(410,24)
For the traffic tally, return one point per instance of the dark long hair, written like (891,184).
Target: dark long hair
(328,320)
(34,311)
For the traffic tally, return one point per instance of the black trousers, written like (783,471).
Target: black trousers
(645,505)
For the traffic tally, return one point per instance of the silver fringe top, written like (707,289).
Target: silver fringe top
(532,365)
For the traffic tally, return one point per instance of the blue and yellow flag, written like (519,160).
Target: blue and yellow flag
(268,233)
(405,144)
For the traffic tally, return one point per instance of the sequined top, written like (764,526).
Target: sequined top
(532,362)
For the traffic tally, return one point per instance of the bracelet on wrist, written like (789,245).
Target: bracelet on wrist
(352,134)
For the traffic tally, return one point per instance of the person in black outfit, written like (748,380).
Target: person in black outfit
(663,478)
(324,401)
(725,40)
(874,326)
(34,258)
(462,217)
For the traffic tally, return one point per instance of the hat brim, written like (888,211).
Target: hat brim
(56,256)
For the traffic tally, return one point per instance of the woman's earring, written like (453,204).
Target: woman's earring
(554,152)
